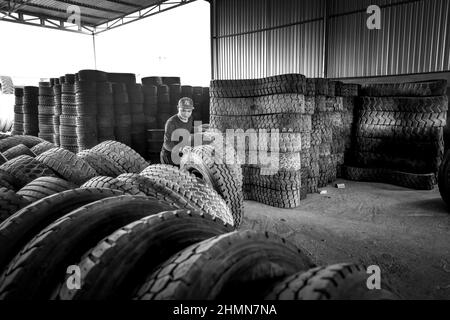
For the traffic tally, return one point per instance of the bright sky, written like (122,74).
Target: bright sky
(173,43)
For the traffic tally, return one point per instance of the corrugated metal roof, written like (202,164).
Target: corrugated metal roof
(93,13)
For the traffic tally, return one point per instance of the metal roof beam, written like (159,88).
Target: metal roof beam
(90,6)
(160,7)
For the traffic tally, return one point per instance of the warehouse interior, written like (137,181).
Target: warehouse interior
(361,174)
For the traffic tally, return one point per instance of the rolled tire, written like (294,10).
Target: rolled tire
(10,203)
(117,266)
(19,150)
(67,165)
(25,224)
(336,282)
(202,196)
(123,155)
(35,272)
(13,141)
(214,268)
(44,187)
(114,184)
(225,179)
(26,169)
(42,147)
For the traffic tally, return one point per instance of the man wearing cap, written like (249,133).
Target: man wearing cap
(182,120)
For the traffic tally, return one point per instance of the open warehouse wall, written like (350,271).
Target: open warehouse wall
(29,53)
(174,43)
(329,38)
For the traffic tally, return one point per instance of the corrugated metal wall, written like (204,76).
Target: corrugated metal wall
(258,38)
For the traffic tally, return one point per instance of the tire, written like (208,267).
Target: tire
(411,89)
(10,203)
(25,224)
(42,147)
(114,184)
(225,179)
(336,282)
(13,141)
(102,164)
(7,181)
(400,133)
(35,272)
(402,179)
(403,119)
(444,179)
(116,267)
(405,104)
(214,268)
(19,150)
(286,199)
(26,169)
(6,85)
(44,187)
(67,165)
(2,159)
(202,196)
(123,155)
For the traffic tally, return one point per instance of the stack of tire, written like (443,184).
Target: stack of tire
(399,134)
(275,103)
(138,121)
(122,113)
(205,105)
(46,111)
(57,111)
(68,118)
(86,120)
(150,105)
(165,110)
(30,111)
(18,112)
(197,97)
(105,108)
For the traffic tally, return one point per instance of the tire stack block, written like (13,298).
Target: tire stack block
(30,111)
(205,105)
(46,111)
(197,97)
(57,111)
(86,121)
(150,105)
(68,117)
(165,110)
(122,113)
(399,134)
(174,96)
(271,103)
(105,111)
(138,121)
(18,112)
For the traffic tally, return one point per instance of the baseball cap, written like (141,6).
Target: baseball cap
(186,103)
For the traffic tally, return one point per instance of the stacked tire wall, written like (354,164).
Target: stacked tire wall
(399,134)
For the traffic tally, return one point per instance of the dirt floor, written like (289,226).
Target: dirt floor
(405,232)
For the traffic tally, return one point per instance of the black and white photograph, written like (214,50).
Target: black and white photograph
(220,159)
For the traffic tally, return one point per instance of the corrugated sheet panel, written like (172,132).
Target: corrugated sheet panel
(415,38)
(337,7)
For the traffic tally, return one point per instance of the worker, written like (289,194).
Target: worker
(182,120)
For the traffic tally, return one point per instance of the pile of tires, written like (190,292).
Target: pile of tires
(18,112)
(46,111)
(68,117)
(399,134)
(138,121)
(30,111)
(86,121)
(57,110)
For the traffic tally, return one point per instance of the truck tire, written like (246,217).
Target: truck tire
(13,141)
(102,164)
(116,267)
(67,165)
(114,184)
(411,89)
(25,224)
(336,282)
(10,202)
(44,187)
(214,268)
(19,150)
(35,272)
(42,147)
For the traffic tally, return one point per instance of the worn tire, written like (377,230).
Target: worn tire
(116,267)
(44,187)
(225,179)
(19,150)
(35,272)
(336,282)
(13,141)
(67,165)
(411,89)
(10,202)
(26,169)
(8,181)
(42,147)
(235,265)
(114,184)
(101,163)
(25,224)
(202,196)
